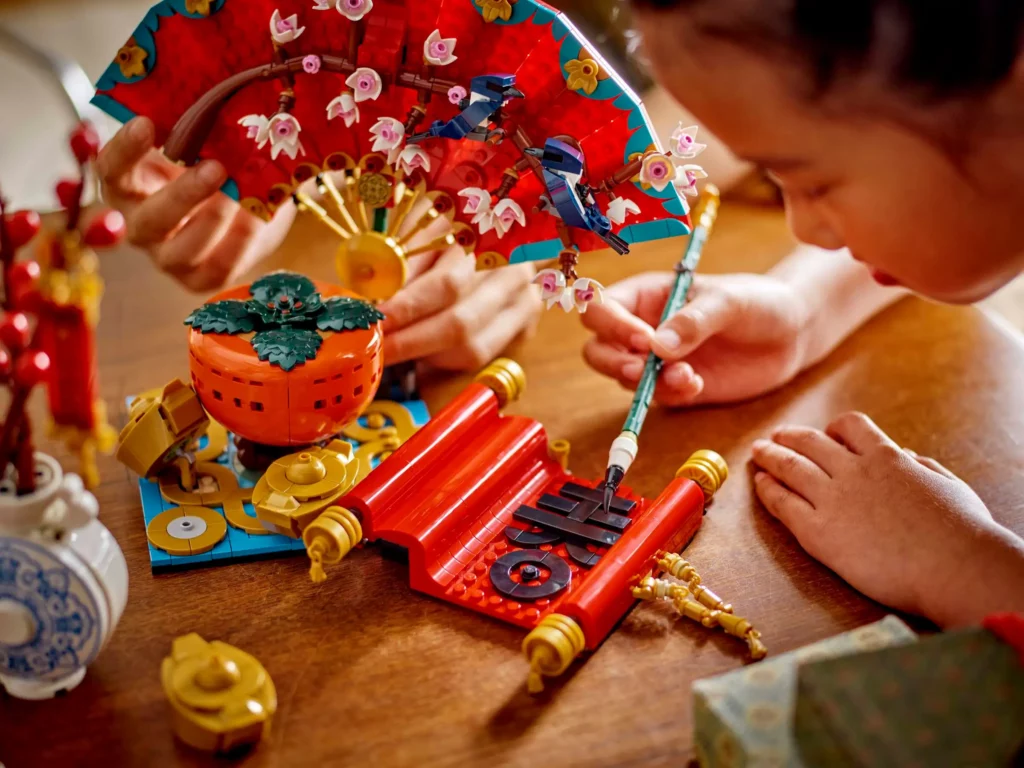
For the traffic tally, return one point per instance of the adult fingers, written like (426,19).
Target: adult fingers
(457,326)
(122,153)
(795,471)
(490,342)
(858,433)
(708,314)
(451,278)
(228,256)
(163,212)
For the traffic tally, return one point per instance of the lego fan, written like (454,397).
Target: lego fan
(385,117)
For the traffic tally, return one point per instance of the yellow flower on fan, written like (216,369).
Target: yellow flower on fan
(131,59)
(198,7)
(657,171)
(582,75)
(496,9)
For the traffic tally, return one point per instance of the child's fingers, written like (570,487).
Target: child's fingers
(858,433)
(797,472)
(698,321)
(790,508)
(492,340)
(122,153)
(932,464)
(155,218)
(614,324)
(451,278)
(614,362)
(679,385)
(815,445)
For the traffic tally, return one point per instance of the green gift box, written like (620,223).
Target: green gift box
(744,718)
(955,699)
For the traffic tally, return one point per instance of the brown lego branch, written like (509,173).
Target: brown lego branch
(193,128)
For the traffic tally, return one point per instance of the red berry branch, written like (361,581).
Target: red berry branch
(22,366)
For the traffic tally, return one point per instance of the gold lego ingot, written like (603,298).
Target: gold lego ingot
(222,698)
(329,538)
(505,378)
(161,424)
(559,450)
(550,648)
(708,470)
(298,488)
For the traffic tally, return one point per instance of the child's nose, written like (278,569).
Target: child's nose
(811,227)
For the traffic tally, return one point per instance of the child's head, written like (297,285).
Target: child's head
(896,127)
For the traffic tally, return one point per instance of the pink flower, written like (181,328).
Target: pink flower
(456,94)
(285,30)
(354,10)
(684,142)
(366,83)
(585,292)
(657,171)
(476,199)
(311,64)
(344,107)
(552,287)
(686,179)
(389,134)
(257,128)
(413,157)
(284,136)
(439,51)
(506,214)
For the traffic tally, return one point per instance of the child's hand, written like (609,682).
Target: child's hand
(178,216)
(900,528)
(453,317)
(740,336)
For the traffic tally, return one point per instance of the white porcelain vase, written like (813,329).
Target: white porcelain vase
(63,583)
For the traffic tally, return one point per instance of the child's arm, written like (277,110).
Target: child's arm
(741,335)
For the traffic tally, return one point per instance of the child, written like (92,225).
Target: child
(896,130)
(449,315)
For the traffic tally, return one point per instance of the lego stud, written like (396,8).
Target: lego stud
(505,378)
(307,469)
(550,648)
(708,470)
(329,538)
(559,451)
(219,674)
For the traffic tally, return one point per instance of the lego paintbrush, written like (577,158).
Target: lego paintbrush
(625,447)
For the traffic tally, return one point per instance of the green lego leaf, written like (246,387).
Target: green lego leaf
(222,317)
(345,314)
(287,347)
(271,288)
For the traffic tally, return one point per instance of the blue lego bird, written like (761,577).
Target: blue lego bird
(488,94)
(568,197)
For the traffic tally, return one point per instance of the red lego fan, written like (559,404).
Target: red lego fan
(496,111)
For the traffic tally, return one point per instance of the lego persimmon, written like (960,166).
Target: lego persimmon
(286,362)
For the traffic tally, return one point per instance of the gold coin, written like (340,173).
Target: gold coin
(375,190)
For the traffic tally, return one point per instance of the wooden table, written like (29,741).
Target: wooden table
(370,673)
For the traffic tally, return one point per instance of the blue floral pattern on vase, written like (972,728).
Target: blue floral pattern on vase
(68,634)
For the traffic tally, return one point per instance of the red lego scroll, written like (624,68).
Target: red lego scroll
(492,521)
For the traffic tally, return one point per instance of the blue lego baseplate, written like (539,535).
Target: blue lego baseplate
(237,545)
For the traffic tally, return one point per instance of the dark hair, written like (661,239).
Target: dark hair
(944,48)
